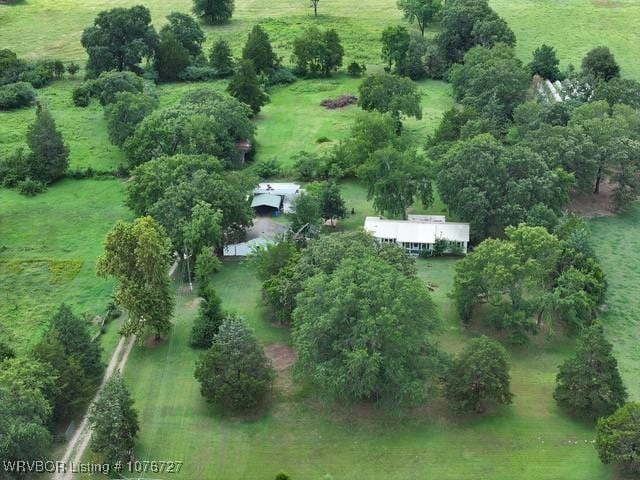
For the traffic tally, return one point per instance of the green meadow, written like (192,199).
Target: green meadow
(49,245)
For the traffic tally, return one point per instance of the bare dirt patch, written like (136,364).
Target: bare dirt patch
(282,358)
(590,205)
(154,342)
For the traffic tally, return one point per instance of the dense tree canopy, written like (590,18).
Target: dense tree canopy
(529,280)
(356,346)
(492,81)
(169,188)
(119,39)
(137,254)
(203,122)
(493,186)
(588,384)
(479,373)
(234,372)
(618,437)
(600,63)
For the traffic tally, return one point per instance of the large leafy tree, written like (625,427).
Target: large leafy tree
(528,280)
(186,30)
(170,189)
(49,157)
(203,122)
(420,11)
(119,39)
(395,44)
(618,437)
(479,373)
(214,12)
(390,93)
(114,422)
(492,81)
(234,372)
(245,87)
(306,216)
(588,384)
(493,186)
(137,254)
(395,179)
(331,202)
(358,346)
(126,113)
(258,49)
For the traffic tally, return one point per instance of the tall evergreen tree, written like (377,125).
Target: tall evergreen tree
(258,49)
(171,57)
(49,156)
(331,202)
(73,335)
(245,87)
(221,58)
(589,384)
(114,421)
(210,316)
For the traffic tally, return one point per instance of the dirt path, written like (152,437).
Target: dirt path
(80,440)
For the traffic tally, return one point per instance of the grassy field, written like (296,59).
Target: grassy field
(48,248)
(617,243)
(84,129)
(308,438)
(574,27)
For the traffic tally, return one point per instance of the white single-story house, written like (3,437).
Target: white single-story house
(419,232)
(264,196)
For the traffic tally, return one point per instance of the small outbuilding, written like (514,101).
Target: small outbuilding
(418,233)
(264,193)
(266,203)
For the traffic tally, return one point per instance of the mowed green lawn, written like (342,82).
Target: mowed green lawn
(309,438)
(574,27)
(617,244)
(48,248)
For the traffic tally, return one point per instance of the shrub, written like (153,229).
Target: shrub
(268,168)
(356,70)
(308,167)
(323,139)
(280,76)
(198,74)
(81,96)
(16,95)
(14,168)
(38,74)
(73,68)
(30,187)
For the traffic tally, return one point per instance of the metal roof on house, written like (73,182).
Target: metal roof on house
(266,200)
(416,231)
